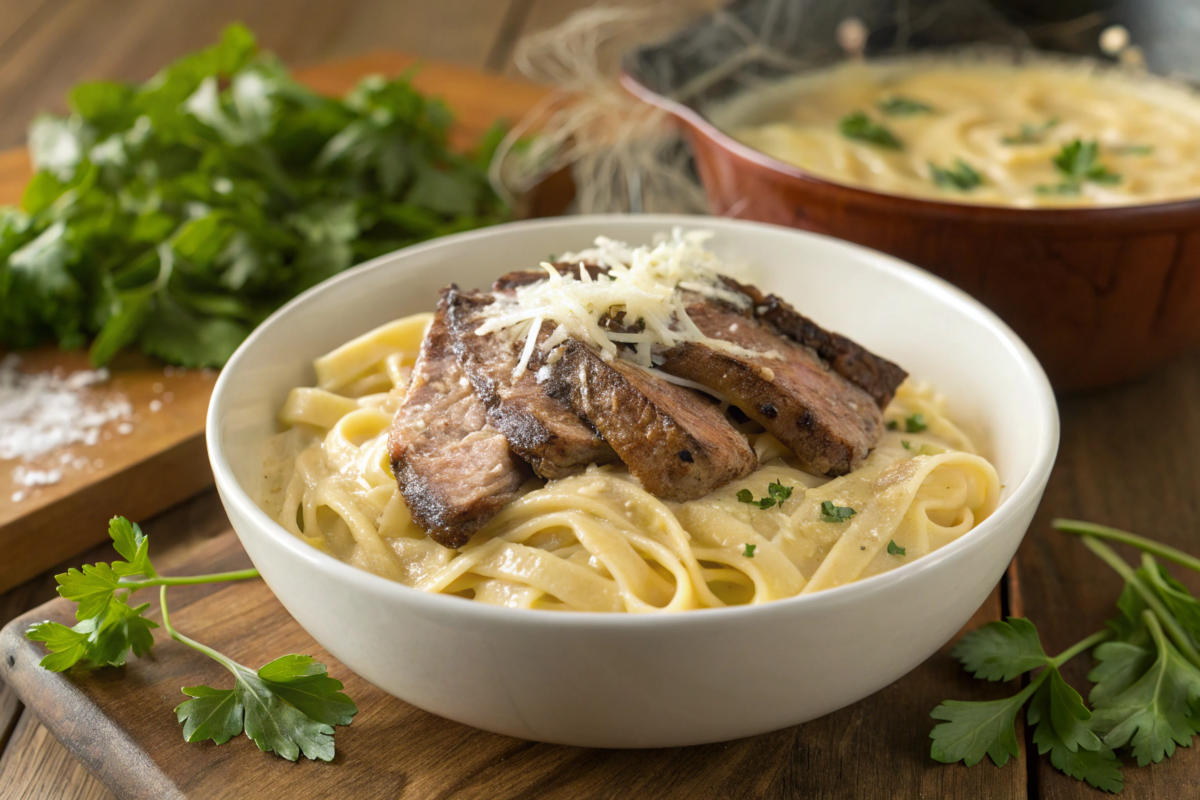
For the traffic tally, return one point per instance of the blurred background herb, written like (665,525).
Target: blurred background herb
(174,216)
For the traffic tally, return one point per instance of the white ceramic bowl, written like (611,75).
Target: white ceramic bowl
(621,680)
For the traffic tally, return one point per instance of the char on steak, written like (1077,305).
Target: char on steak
(877,376)
(542,430)
(676,441)
(454,468)
(824,419)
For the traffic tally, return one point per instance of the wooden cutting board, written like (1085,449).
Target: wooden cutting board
(119,723)
(162,460)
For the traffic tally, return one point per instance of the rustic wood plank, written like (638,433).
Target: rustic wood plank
(884,738)
(37,767)
(1127,459)
(73,40)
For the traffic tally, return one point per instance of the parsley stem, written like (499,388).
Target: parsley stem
(192,643)
(1079,647)
(1132,539)
(216,577)
(1177,634)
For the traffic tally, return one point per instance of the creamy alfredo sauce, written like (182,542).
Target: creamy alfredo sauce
(982,131)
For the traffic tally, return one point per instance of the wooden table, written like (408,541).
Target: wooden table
(1128,456)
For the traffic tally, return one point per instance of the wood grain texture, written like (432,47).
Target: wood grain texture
(162,461)
(49,45)
(1127,459)
(119,724)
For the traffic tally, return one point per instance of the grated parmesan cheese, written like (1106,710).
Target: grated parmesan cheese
(644,283)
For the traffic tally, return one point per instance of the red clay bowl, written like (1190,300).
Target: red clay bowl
(1101,295)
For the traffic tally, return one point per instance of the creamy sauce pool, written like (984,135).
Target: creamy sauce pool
(984,133)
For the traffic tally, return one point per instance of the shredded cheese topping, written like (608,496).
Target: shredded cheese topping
(645,284)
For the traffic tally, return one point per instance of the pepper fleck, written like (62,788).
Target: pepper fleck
(686,456)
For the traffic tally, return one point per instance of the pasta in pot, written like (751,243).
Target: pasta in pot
(980,130)
(598,541)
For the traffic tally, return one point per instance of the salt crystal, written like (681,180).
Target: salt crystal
(168,370)
(156,405)
(18,497)
(98,463)
(46,411)
(168,397)
(23,476)
(157,388)
(124,429)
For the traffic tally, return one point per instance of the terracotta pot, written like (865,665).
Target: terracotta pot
(1101,295)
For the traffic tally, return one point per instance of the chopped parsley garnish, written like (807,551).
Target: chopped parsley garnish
(289,706)
(1031,134)
(895,549)
(961,176)
(1078,162)
(893,425)
(749,553)
(776,494)
(907,445)
(898,106)
(861,127)
(834,513)
(915,423)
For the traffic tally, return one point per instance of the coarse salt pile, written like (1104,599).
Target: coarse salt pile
(47,411)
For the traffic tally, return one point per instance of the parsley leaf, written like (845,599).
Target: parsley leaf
(860,127)
(834,513)
(972,730)
(288,706)
(961,176)
(1000,651)
(749,552)
(1078,161)
(895,549)
(1155,712)
(776,494)
(1055,708)
(899,106)
(1031,134)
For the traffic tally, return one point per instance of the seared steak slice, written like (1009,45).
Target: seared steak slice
(878,376)
(674,440)
(826,420)
(454,468)
(541,429)
(511,281)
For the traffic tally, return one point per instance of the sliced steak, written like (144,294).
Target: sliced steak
(454,468)
(878,376)
(541,429)
(826,420)
(510,281)
(674,440)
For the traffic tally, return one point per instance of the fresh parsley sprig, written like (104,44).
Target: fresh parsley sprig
(1146,694)
(862,128)
(288,706)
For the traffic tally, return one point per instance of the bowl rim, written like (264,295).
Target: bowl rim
(1077,215)
(1028,492)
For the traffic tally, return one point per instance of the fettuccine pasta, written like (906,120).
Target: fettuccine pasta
(598,541)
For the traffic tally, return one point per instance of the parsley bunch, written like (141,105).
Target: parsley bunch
(288,706)
(176,215)
(1146,694)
